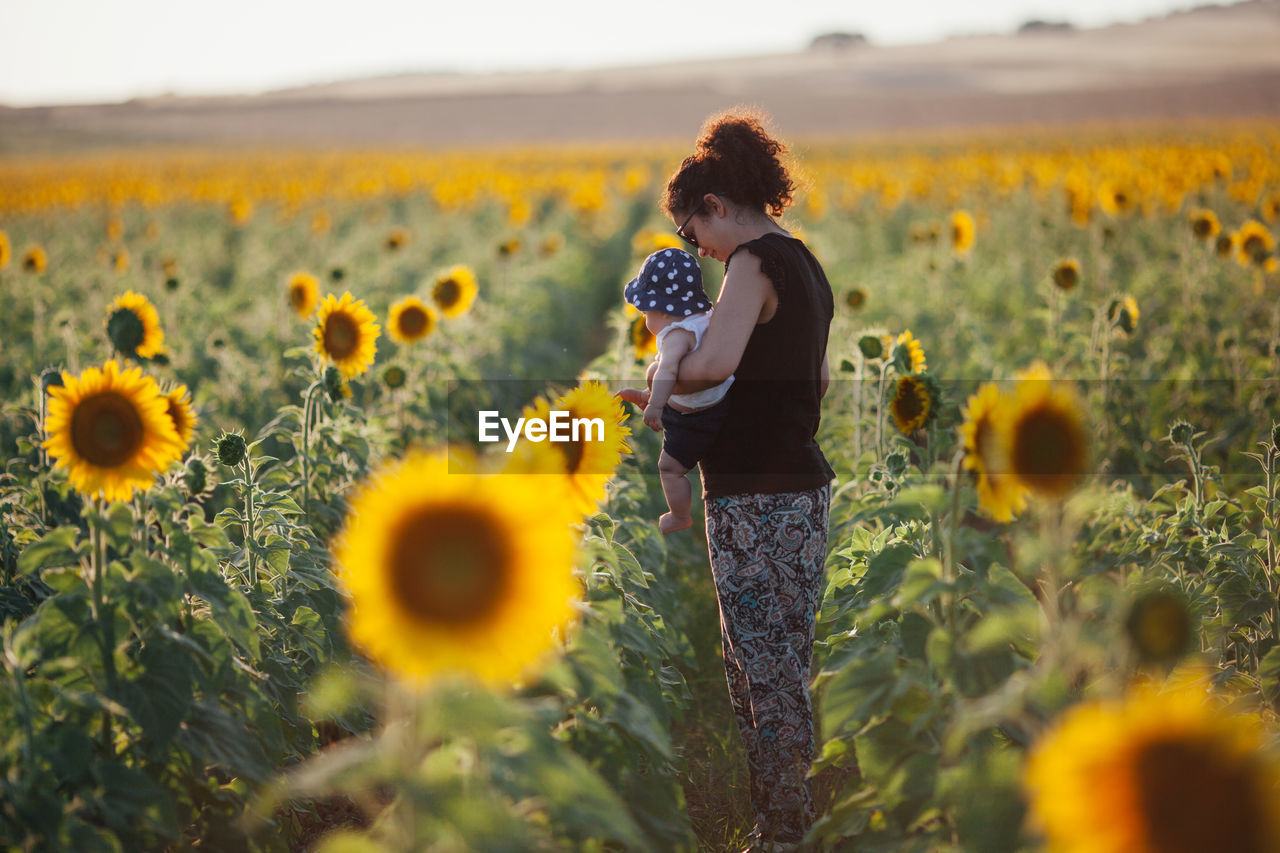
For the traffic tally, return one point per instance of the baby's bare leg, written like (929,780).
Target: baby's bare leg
(678,492)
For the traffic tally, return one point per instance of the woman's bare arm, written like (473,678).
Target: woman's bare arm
(743,297)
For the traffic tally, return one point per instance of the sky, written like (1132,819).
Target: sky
(90,51)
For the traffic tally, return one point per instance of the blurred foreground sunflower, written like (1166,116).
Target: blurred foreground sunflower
(6,250)
(1158,772)
(304,291)
(982,433)
(133,326)
(454,290)
(452,571)
(411,320)
(111,430)
(346,334)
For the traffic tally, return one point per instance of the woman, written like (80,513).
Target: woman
(766,484)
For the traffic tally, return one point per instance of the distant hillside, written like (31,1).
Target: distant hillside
(1213,61)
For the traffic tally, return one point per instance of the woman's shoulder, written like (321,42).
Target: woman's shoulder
(775,252)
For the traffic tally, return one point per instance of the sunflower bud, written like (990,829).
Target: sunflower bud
(125,330)
(171,283)
(161,358)
(337,274)
(231,449)
(855,298)
(1181,432)
(871,346)
(195,476)
(50,378)
(1159,625)
(896,463)
(394,377)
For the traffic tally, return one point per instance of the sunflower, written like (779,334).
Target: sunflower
(855,298)
(1204,224)
(411,320)
(913,404)
(907,353)
(647,241)
(643,340)
(111,430)
(589,461)
(120,260)
(181,413)
(134,327)
(551,244)
(1115,200)
(452,571)
(1047,442)
(35,260)
(985,414)
(454,291)
(303,290)
(962,232)
(1255,243)
(1226,245)
(6,250)
(1159,626)
(346,334)
(1270,207)
(240,211)
(1123,312)
(1066,275)
(509,247)
(1161,770)
(397,238)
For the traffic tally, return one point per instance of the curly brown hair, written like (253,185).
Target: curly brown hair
(735,157)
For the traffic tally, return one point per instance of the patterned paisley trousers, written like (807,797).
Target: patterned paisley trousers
(767,554)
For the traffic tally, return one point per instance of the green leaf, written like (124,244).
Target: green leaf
(231,610)
(56,548)
(861,688)
(1269,675)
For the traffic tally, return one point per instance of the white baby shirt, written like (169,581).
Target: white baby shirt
(696,323)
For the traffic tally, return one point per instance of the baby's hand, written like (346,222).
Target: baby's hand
(653,417)
(634,395)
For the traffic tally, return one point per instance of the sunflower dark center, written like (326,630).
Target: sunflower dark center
(1048,450)
(1202,227)
(909,402)
(178,415)
(1253,246)
(340,335)
(125,330)
(298,296)
(449,566)
(106,429)
(447,293)
(413,321)
(1065,277)
(1195,797)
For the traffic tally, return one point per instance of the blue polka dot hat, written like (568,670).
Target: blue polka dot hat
(671,282)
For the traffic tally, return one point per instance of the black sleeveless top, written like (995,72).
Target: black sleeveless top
(767,441)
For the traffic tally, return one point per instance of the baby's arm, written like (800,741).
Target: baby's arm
(675,345)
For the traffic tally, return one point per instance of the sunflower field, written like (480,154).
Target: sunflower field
(263,588)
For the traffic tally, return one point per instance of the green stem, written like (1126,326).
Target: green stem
(103,618)
(949,544)
(248,521)
(884,371)
(306,445)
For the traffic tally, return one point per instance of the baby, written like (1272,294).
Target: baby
(676,310)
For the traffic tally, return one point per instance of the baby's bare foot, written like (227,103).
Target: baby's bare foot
(670,524)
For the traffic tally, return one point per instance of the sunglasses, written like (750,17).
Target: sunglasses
(692,241)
